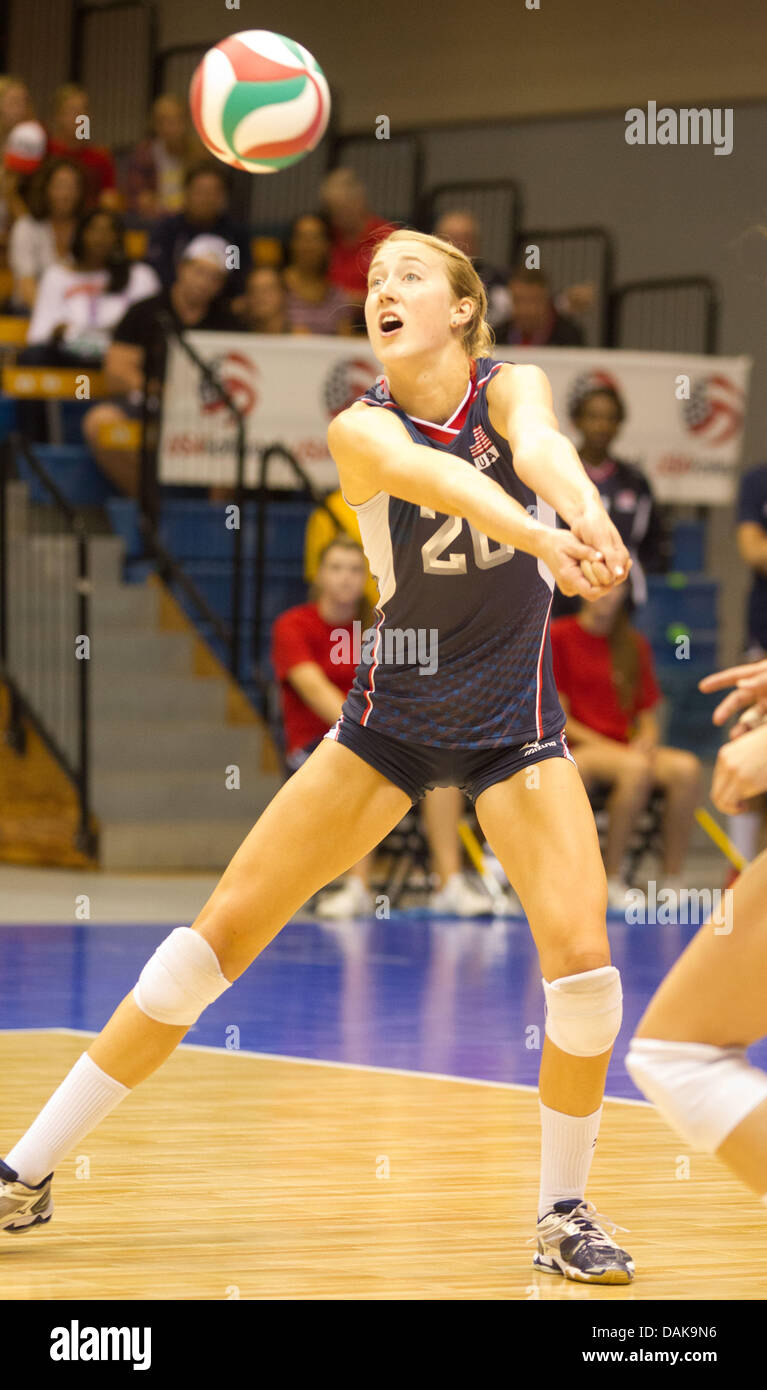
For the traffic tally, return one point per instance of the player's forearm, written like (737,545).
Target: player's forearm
(463,491)
(549,464)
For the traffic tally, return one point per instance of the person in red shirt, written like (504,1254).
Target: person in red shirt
(356,232)
(70,102)
(604,673)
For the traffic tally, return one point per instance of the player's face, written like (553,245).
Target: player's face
(407,282)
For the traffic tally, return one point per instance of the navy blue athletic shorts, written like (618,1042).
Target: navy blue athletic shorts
(417,767)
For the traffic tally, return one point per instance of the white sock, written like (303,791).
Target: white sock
(567,1148)
(82,1100)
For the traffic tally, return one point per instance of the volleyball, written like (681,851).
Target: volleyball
(259,101)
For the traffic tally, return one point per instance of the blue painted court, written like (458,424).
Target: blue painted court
(458,998)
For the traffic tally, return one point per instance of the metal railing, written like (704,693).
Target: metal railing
(45,621)
(675,314)
(495,203)
(576,255)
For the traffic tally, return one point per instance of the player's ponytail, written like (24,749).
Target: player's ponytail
(478,336)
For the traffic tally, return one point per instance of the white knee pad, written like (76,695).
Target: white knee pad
(181,979)
(701,1091)
(584,1012)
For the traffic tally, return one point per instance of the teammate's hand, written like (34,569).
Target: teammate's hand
(740,772)
(572,564)
(593,526)
(750,681)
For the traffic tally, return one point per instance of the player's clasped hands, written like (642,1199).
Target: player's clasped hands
(590,558)
(741,765)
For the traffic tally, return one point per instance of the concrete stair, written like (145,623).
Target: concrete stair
(160,740)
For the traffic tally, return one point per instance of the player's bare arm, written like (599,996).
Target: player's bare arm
(374,453)
(520,405)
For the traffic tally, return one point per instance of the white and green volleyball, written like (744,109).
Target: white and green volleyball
(259,101)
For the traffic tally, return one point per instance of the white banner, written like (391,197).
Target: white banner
(683,427)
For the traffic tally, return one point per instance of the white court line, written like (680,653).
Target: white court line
(348,1066)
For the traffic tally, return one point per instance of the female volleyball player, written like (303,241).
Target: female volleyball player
(464,548)
(688,1055)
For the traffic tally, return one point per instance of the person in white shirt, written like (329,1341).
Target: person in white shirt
(44,235)
(77,306)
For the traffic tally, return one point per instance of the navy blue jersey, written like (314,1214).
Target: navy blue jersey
(460,655)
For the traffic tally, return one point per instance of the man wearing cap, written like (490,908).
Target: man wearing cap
(135,360)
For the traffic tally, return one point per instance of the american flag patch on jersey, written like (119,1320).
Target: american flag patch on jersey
(483,450)
(482,442)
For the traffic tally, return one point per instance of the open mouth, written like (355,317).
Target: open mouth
(389,324)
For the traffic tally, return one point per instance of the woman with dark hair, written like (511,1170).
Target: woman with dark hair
(43,236)
(313,303)
(77,306)
(603,670)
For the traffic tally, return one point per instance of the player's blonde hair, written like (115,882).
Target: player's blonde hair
(478,336)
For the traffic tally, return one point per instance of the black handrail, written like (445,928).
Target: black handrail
(21,707)
(708,286)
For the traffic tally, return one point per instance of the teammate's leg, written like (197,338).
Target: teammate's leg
(687,1052)
(334,810)
(542,831)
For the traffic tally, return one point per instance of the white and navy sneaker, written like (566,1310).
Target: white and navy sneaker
(571,1241)
(22,1206)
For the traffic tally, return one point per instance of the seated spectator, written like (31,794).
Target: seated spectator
(135,361)
(356,231)
(70,103)
(264,307)
(604,673)
(535,320)
(443,806)
(15,104)
(321,530)
(43,236)
(78,305)
(314,305)
(461,227)
(22,154)
(154,178)
(204,211)
(625,491)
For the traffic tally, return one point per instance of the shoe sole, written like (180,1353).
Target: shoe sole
(28,1225)
(610,1276)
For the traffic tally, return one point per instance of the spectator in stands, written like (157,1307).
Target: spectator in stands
(535,320)
(314,304)
(154,178)
(322,528)
(43,236)
(604,673)
(15,104)
(135,361)
(78,305)
(22,154)
(264,303)
(204,211)
(356,230)
(443,806)
(461,227)
(626,493)
(70,104)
